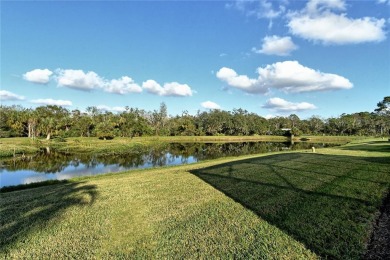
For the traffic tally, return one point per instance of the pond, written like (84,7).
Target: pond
(53,165)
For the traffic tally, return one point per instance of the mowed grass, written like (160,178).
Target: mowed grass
(297,205)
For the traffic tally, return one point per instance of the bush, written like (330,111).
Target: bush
(106,136)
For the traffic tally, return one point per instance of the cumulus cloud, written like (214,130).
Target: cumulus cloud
(319,22)
(210,105)
(243,82)
(113,109)
(122,86)
(40,76)
(9,96)
(269,116)
(169,89)
(288,76)
(315,6)
(78,79)
(49,101)
(281,105)
(88,81)
(275,45)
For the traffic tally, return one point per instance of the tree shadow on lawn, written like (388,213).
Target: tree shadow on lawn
(327,202)
(24,211)
(375,146)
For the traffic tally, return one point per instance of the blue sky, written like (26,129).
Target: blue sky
(317,57)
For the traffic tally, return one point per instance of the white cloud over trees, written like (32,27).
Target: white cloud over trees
(276,45)
(39,76)
(281,105)
(122,86)
(321,22)
(78,79)
(49,101)
(168,89)
(6,95)
(210,105)
(113,109)
(88,81)
(287,76)
(242,82)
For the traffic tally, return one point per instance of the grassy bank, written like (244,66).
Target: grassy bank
(299,205)
(19,146)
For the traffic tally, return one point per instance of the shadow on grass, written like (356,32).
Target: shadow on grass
(327,202)
(375,146)
(22,212)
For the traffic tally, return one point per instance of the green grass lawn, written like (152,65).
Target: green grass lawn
(297,205)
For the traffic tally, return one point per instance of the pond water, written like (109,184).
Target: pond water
(48,166)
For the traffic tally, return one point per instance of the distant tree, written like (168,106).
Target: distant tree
(183,125)
(383,111)
(32,121)
(239,124)
(256,124)
(81,123)
(159,119)
(105,131)
(294,120)
(383,107)
(316,125)
(12,121)
(51,119)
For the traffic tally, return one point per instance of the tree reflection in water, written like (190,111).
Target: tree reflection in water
(52,162)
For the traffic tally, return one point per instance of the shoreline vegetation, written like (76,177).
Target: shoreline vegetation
(291,204)
(19,146)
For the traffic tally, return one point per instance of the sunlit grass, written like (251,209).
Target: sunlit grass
(18,146)
(278,206)
(160,213)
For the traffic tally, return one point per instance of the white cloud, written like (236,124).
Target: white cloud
(268,9)
(315,6)
(281,105)
(49,101)
(288,76)
(9,96)
(78,79)
(38,76)
(275,45)
(113,109)
(169,89)
(384,2)
(269,116)
(177,89)
(153,87)
(242,82)
(318,22)
(210,105)
(87,81)
(122,86)
(259,9)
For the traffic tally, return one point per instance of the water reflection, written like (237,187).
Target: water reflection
(48,165)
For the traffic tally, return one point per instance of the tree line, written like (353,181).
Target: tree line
(48,121)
